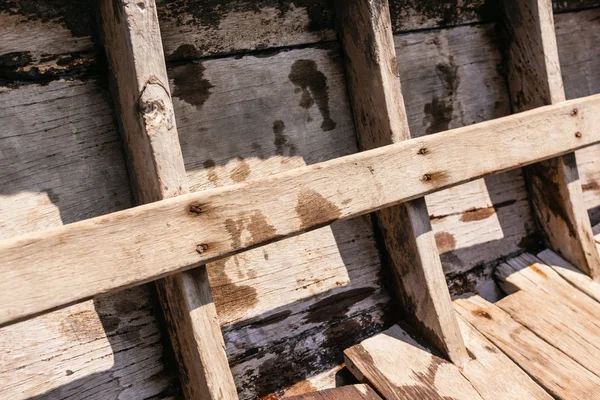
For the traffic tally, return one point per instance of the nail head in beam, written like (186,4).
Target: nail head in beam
(50,269)
(535,80)
(131,36)
(380,119)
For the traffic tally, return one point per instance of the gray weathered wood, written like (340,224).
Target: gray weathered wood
(380,120)
(247,215)
(535,80)
(552,369)
(132,41)
(400,369)
(494,375)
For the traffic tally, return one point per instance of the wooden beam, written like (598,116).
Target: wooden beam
(535,80)
(49,269)
(380,120)
(134,49)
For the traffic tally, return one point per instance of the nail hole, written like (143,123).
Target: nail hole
(578,134)
(574,112)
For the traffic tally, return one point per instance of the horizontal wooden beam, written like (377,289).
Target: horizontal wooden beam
(53,268)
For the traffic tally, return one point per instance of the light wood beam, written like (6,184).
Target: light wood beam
(49,269)
(133,46)
(380,120)
(535,80)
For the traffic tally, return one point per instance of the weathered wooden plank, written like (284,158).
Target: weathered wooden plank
(399,368)
(571,274)
(380,120)
(535,80)
(576,34)
(354,392)
(552,369)
(569,331)
(492,373)
(133,46)
(529,273)
(247,215)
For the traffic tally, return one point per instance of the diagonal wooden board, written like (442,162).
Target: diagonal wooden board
(351,392)
(173,235)
(551,368)
(400,369)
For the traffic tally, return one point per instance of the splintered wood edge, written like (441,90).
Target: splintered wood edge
(56,267)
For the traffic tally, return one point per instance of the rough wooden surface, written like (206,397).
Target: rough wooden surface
(131,38)
(492,373)
(552,369)
(247,215)
(355,392)
(421,375)
(534,79)
(380,120)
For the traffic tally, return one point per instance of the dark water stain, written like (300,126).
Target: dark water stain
(305,75)
(76,16)
(190,85)
(445,242)
(235,231)
(280,140)
(438,113)
(208,14)
(591,185)
(255,323)
(477,214)
(260,229)
(209,166)
(314,210)
(481,313)
(337,304)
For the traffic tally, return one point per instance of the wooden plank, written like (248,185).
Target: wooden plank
(528,273)
(571,274)
(552,369)
(132,41)
(399,368)
(535,80)
(492,373)
(247,215)
(380,120)
(570,331)
(354,392)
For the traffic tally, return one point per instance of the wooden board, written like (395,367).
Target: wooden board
(399,368)
(568,330)
(571,274)
(492,373)
(552,369)
(534,79)
(305,199)
(131,37)
(380,120)
(355,392)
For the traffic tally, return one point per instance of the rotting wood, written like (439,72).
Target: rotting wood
(353,392)
(552,369)
(400,369)
(571,274)
(282,205)
(535,80)
(494,375)
(131,37)
(380,120)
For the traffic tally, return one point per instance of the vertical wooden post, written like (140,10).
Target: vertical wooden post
(134,49)
(380,119)
(535,80)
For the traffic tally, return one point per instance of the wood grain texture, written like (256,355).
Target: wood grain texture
(535,80)
(399,368)
(576,33)
(380,120)
(552,369)
(132,42)
(492,373)
(354,392)
(307,198)
(571,274)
